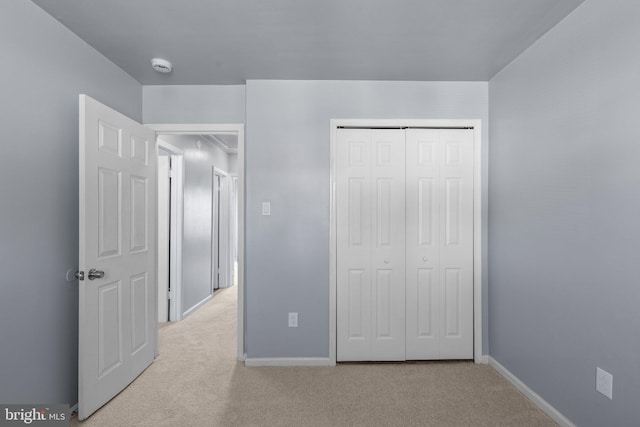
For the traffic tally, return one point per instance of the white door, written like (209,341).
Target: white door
(370,245)
(117,301)
(439,243)
(404,204)
(164,231)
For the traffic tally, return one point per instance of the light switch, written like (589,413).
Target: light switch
(293,320)
(266,208)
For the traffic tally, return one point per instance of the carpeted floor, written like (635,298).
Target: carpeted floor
(196,381)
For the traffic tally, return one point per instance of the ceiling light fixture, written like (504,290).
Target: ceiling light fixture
(161,65)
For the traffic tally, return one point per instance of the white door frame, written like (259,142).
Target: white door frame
(231,129)
(221,215)
(477,217)
(164,234)
(233,236)
(176,227)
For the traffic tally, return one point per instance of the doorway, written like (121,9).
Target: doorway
(390,323)
(220,135)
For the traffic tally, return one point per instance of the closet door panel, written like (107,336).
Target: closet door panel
(354,241)
(456,250)
(422,243)
(388,249)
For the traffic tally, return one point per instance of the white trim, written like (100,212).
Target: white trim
(74,408)
(197,306)
(196,129)
(233,238)
(288,361)
(177,227)
(534,397)
(477,207)
(234,129)
(225,215)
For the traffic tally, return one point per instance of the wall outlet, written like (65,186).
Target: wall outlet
(604,382)
(293,320)
(266,208)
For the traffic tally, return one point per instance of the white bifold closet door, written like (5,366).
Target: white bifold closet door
(404,244)
(439,227)
(371,246)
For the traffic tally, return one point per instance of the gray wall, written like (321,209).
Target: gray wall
(287,163)
(194,104)
(565,214)
(45,67)
(197,256)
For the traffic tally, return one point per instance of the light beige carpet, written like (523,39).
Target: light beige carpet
(196,381)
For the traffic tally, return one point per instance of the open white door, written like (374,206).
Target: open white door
(117,301)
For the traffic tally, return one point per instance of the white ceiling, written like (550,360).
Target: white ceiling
(230,41)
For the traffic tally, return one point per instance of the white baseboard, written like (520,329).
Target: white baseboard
(287,361)
(552,412)
(74,408)
(483,360)
(195,307)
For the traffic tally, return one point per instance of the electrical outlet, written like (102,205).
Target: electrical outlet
(604,382)
(293,320)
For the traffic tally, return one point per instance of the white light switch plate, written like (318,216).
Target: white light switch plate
(604,382)
(266,208)
(293,320)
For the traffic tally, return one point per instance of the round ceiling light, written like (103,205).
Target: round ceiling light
(161,65)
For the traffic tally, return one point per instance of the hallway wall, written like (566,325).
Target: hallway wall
(197,256)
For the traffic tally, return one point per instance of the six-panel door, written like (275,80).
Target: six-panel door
(439,231)
(117,312)
(371,268)
(404,244)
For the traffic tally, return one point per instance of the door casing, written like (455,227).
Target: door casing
(476,124)
(176,227)
(221,224)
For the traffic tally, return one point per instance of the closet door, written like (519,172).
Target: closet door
(439,285)
(370,245)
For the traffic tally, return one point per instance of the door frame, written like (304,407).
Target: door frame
(231,129)
(221,215)
(176,227)
(233,237)
(476,124)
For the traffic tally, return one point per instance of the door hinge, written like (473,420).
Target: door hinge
(172,173)
(169,295)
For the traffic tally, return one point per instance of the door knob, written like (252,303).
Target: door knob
(386,261)
(425,259)
(95,274)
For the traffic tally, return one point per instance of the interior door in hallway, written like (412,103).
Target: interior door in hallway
(370,245)
(439,242)
(117,240)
